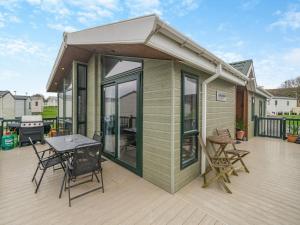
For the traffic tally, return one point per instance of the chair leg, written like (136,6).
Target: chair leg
(37,168)
(243,164)
(102,180)
(62,185)
(40,181)
(69,192)
(96,177)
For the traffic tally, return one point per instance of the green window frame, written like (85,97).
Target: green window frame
(260,108)
(252,108)
(189,126)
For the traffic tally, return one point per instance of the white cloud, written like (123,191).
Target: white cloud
(293,57)
(143,7)
(289,19)
(228,56)
(7,18)
(61,27)
(7,75)
(16,46)
(249,4)
(274,68)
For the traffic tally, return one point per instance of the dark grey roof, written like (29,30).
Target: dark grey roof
(242,66)
(21,97)
(2,93)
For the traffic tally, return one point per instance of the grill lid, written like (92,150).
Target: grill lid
(31,118)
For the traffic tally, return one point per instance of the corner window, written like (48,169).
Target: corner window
(252,108)
(189,120)
(81,99)
(113,66)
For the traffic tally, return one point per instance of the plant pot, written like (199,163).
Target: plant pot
(292,138)
(240,134)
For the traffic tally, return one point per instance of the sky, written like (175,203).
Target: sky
(267,31)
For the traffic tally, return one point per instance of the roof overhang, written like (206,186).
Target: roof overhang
(145,37)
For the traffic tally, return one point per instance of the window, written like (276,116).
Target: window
(189,120)
(81,98)
(287,103)
(29,106)
(36,103)
(260,109)
(252,108)
(275,102)
(113,66)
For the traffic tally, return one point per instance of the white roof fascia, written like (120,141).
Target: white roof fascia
(57,60)
(125,32)
(262,93)
(187,50)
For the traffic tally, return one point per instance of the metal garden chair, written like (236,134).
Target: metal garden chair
(220,166)
(44,163)
(235,154)
(86,160)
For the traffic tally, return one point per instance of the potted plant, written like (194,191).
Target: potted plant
(240,129)
(292,137)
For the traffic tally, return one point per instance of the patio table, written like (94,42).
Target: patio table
(67,143)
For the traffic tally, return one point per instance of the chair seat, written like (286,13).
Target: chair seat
(52,161)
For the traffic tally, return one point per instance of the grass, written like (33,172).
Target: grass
(50,112)
(289,116)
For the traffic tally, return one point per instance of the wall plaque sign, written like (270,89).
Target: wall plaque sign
(221,96)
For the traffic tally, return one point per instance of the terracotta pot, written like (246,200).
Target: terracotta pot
(240,134)
(292,138)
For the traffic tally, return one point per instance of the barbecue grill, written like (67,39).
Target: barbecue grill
(33,127)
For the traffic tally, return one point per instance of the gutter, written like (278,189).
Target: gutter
(204,110)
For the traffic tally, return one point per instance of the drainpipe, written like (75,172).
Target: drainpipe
(204,110)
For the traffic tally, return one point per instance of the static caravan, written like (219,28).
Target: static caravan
(7,105)
(23,105)
(150,91)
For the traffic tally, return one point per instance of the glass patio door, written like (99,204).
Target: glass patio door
(120,122)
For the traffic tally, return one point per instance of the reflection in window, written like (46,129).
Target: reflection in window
(189,133)
(65,105)
(113,66)
(81,98)
(127,122)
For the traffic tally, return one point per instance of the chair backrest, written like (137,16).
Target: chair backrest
(205,150)
(97,137)
(34,148)
(225,132)
(86,159)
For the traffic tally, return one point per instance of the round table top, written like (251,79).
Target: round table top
(221,140)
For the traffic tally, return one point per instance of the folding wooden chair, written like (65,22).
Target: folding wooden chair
(235,154)
(220,167)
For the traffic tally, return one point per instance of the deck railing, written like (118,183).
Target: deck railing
(276,127)
(5,122)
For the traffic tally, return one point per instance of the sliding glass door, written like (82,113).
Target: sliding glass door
(121,119)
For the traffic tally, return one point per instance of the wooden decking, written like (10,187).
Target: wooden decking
(270,194)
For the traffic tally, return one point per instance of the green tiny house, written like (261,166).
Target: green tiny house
(150,91)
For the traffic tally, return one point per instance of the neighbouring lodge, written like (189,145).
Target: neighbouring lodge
(149,90)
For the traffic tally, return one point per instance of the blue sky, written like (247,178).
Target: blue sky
(266,31)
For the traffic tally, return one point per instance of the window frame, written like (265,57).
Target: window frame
(189,133)
(252,108)
(77,97)
(260,108)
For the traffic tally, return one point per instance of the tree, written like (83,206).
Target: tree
(292,83)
